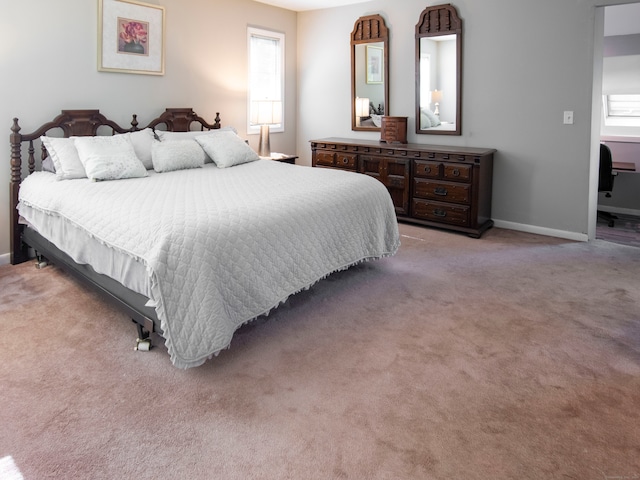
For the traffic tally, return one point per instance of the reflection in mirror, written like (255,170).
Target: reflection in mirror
(369,73)
(438,71)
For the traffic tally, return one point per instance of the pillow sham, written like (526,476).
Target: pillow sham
(48,166)
(227,149)
(169,136)
(109,157)
(176,155)
(142,141)
(433,119)
(424,120)
(65,157)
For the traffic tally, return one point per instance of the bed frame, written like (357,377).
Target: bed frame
(87,123)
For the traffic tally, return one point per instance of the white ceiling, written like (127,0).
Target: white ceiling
(302,5)
(622,19)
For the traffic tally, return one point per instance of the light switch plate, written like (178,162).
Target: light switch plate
(568,117)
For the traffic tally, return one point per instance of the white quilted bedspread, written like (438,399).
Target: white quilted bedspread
(223,246)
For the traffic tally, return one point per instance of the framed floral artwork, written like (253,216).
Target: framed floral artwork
(130,37)
(375,57)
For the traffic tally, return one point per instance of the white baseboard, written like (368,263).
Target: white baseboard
(623,211)
(549,232)
(5,259)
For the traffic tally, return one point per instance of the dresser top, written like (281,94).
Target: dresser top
(407,146)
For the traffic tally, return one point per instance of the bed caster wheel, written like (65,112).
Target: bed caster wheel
(142,345)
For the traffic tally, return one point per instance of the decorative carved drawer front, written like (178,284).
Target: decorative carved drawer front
(427,169)
(457,172)
(442,157)
(370,165)
(325,159)
(347,160)
(441,191)
(440,212)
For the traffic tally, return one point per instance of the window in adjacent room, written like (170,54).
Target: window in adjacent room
(622,110)
(266,79)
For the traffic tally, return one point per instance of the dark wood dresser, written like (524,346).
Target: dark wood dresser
(433,185)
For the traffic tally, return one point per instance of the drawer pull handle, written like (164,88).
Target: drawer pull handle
(441,191)
(456,172)
(427,169)
(439,213)
(345,160)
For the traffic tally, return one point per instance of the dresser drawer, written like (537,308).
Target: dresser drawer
(456,172)
(442,191)
(440,212)
(325,159)
(423,168)
(347,160)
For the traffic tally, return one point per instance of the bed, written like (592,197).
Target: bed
(183,226)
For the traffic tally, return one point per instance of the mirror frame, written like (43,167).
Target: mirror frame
(369,29)
(436,21)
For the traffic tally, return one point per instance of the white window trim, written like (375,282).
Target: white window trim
(280,36)
(617,120)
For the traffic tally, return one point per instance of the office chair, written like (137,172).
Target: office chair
(605,182)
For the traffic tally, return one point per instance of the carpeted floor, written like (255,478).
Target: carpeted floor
(625,230)
(515,356)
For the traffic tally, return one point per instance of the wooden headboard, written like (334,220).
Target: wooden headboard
(80,123)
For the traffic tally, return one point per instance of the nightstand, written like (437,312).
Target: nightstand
(283,157)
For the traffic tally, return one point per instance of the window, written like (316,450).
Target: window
(266,78)
(622,110)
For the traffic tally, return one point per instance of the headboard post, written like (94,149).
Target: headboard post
(19,252)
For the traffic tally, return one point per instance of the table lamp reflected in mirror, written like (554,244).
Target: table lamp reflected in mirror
(436,98)
(362,109)
(265,113)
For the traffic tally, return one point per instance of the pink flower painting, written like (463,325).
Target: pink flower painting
(132,36)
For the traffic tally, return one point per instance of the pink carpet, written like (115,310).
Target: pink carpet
(515,356)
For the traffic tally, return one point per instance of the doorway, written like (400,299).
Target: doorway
(616,29)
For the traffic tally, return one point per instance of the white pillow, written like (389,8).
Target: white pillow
(109,157)
(169,136)
(424,120)
(433,119)
(141,141)
(65,157)
(227,149)
(176,155)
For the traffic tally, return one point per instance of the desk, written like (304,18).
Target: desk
(624,166)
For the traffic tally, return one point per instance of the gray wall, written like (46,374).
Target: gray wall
(524,63)
(48,63)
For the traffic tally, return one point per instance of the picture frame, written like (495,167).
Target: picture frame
(375,64)
(131,37)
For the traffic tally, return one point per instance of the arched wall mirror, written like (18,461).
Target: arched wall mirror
(439,71)
(369,73)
